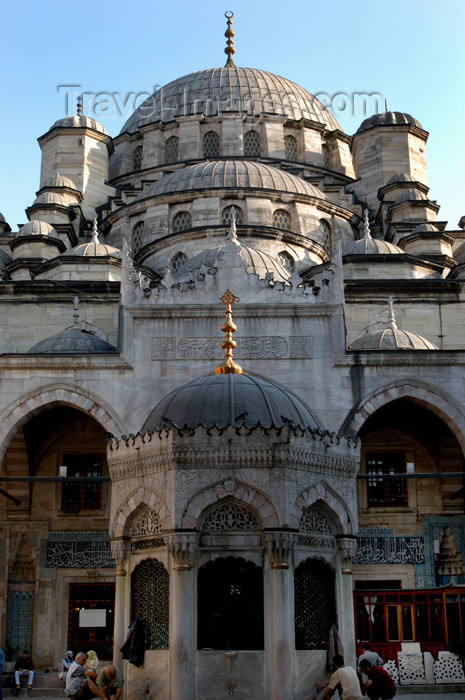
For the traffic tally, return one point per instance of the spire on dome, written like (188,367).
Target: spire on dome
(95,233)
(79,105)
(228,344)
(76,311)
(232,233)
(391,321)
(229,50)
(366,226)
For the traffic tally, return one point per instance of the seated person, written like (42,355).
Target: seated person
(110,682)
(66,663)
(345,677)
(92,663)
(371,656)
(24,667)
(79,684)
(379,683)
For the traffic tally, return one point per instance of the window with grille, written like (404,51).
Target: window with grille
(325,229)
(182,221)
(177,262)
(150,602)
(137,158)
(211,145)
(171,149)
(386,492)
(82,495)
(314,604)
(251,143)
(326,156)
(227,216)
(91,596)
(286,260)
(137,235)
(290,147)
(282,220)
(230,605)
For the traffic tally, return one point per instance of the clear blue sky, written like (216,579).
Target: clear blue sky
(410,52)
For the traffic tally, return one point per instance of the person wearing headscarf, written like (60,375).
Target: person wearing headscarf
(66,663)
(92,663)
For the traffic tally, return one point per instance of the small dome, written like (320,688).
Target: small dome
(371,246)
(38,228)
(426,228)
(51,198)
(392,339)
(400,177)
(94,249)
(388,119)
(79,121)
(411,195)
(72,340)
(230,89)
(59,180)
(235,174)
(230,399)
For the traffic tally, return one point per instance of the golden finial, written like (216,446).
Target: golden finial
(229,50)
(79,105)
(228,366)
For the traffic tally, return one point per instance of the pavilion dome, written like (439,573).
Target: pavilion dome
(38,228)
(388,119)
(59,180)
(230,399)
(72,340)
(411,195)
(79,121)
(94,248)
(390,337)
(400,177)
(230,89)
(426,228)
(51,198)
(371,246)
(234,174)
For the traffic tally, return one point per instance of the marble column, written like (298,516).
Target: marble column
(345,599)
(120,551)
(182,616)
(279,616)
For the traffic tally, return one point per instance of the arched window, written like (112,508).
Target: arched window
(228,215)
(314,604)
(282,220)
(150,602)
(182,221)
(211,145)
(286,260)
(177,262)
(290,147)
(252,144)
(171,149)
(137,236)
(325,229)
(137,158)
(326,156)
(230,605)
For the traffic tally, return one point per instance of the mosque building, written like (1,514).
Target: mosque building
(232,394)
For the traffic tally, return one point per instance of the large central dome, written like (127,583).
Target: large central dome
(230,90)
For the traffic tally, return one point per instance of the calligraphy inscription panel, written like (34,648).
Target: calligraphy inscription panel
(248,347)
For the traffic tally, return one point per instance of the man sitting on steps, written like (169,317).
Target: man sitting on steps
(79,681)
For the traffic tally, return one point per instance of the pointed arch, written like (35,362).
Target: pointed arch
(18,412)
(230,488)
(331,502)
(421,393)
(138,498)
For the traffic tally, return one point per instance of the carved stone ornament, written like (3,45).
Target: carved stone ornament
(347,545)
(120,551)
(280,546)
(181,546)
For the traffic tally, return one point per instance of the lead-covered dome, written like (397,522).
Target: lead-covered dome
(230,399)
(234,174)
(72,340)
(230,89)
(388,119)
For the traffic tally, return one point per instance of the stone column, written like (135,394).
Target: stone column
(182,643)
(120,551)
(279,616)
(345,599)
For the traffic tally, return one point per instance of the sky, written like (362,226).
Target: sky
(409,53)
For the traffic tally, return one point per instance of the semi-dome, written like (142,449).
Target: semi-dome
(388,119)
(400,177)
(230,399)
(235,174)
(51,198)
(230,89)
(59,180)
(38,228)
(79,120)
(72,340)
(411,195)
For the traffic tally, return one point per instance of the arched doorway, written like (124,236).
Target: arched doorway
(315,604)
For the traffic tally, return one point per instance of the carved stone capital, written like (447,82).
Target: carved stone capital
(347,545)
(280,545)
(120,552)
(181,546)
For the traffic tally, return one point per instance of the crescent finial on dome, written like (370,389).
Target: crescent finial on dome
(76,311)
(95,232)
(229,33)
(79,105)
(391,322)
(366,226)
(228,344)
(232,233)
